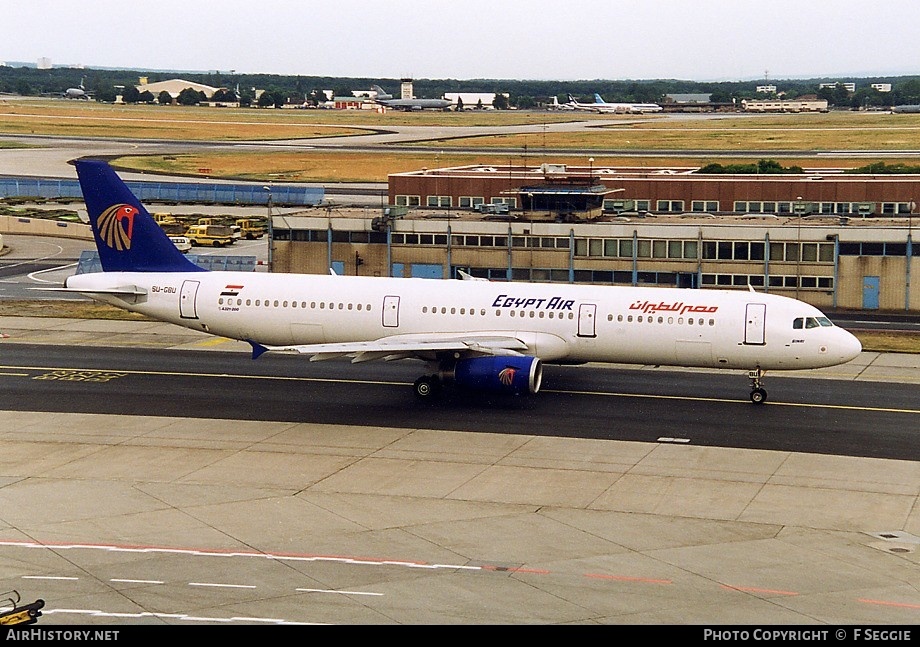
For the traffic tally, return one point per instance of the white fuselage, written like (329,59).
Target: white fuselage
(558,322)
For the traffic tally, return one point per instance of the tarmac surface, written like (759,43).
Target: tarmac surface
(155,520)
(568,531)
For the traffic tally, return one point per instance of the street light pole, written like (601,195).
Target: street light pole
(800,207)
(910,253)
(271,230)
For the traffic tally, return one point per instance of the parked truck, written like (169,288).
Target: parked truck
(251,228)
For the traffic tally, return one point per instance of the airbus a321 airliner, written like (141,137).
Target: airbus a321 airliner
(474,334)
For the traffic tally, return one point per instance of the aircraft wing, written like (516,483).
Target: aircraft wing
(417,346)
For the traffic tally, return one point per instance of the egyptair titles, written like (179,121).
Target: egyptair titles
(679,307)
(555,303)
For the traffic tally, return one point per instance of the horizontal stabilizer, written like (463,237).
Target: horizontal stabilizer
(124,291)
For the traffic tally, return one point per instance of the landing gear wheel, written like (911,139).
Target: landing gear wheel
(758,393)
(427,386)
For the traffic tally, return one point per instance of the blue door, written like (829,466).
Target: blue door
(427,271)
(397,270)
(338,267)
(870,292)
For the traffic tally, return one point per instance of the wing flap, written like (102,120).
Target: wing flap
(389,348)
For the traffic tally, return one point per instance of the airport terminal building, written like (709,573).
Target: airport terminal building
(834,240)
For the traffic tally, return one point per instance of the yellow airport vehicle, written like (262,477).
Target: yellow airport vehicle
(251,228)
(12,613)
(164,219)
(211,235)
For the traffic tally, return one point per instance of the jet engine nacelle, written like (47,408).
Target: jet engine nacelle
(499,374)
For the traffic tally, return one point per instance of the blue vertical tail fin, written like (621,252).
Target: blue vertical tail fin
(127,236)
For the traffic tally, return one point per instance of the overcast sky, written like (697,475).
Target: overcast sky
(699,40)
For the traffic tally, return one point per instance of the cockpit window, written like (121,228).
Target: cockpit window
(810,322)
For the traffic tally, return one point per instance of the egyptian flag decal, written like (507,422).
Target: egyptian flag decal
(231,291)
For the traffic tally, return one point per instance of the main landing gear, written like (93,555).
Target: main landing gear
(758,393)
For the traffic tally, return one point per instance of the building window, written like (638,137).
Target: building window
(704,206)
(670,206)
(470,202)
(408,200)
(895,208)
(439,201)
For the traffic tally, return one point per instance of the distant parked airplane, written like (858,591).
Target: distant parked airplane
(476,334)
(600,105)
(76,93)
(555,105)
(386,99)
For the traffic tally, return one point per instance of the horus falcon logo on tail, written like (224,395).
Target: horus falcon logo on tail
(116,226)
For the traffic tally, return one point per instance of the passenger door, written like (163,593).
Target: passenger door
(188,294)
(586,320)
(754,318)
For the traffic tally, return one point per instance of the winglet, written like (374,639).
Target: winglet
(257,349)
(469,277)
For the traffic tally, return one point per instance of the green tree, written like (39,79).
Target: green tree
(223,95)
(524,101)
(906,93)
(189,97)
(763,167)
(245,98)
(837,95)
(164,98)
(880,168)
(106,94)
(130,94)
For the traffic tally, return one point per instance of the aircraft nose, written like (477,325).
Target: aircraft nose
(849,346)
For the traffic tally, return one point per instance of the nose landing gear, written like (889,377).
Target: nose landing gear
(758,393)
